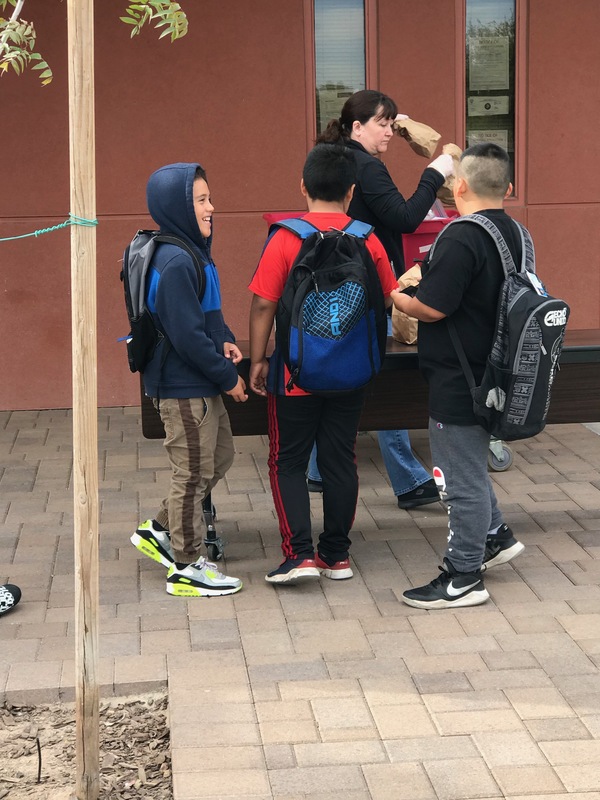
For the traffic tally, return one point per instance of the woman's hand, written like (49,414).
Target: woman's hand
(444,164)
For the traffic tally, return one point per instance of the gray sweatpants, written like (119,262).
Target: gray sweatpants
(461,452)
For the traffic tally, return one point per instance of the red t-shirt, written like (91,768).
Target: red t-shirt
(281,251)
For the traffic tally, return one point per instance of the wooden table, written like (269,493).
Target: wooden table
(397,398)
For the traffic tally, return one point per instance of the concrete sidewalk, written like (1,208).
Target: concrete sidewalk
(317,690)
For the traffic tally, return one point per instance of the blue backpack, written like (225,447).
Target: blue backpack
(331,321)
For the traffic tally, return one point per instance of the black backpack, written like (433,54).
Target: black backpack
(331,321)
(144,337)
(513,398)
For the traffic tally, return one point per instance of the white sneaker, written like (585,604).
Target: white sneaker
(201,579)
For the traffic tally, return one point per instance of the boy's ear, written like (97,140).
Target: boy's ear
(509,191)
(303,188)
(348,198)
(460,187)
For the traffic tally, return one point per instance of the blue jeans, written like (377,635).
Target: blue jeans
(313,473)
(404,470)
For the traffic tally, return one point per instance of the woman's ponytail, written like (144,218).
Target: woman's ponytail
(333,133)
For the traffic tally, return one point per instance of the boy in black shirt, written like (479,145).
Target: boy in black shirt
(463,282)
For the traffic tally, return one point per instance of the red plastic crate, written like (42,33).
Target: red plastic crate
(416,245)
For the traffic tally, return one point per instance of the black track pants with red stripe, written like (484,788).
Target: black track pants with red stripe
(295,423)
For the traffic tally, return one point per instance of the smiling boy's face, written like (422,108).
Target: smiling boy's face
(203,207)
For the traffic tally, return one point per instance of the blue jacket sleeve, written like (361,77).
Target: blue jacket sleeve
(196,336)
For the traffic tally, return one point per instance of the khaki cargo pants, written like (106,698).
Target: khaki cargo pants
(200,449)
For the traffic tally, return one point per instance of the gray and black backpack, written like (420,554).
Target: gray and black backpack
(513,398)
(144,337)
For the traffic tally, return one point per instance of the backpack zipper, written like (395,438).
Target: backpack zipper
(290,384)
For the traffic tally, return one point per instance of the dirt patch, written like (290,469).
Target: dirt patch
(39,741)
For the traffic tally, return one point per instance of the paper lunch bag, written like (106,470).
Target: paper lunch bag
(404,328)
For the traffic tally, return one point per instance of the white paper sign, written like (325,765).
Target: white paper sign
(487,106)
(488,63)
(497,137)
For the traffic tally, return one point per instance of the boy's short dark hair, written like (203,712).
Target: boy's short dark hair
(200,174)
(486,168)
(329,172)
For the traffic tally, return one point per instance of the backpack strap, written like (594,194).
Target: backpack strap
(361,230)
(171,238)
(300,227)
(303,228)
(508,264)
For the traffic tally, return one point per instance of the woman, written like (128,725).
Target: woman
(366,127)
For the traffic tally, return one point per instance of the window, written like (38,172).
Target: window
(339,55)
(490,73)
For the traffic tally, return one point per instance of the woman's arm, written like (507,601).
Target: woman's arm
(388,205)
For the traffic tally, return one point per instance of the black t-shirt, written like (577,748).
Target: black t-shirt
(462,281)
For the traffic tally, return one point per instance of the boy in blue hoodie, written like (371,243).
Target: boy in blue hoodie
(192,366)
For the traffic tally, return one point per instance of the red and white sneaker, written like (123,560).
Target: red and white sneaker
(338,571)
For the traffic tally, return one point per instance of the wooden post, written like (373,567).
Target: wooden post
(85,395)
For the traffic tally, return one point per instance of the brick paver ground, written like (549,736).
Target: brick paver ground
(330,688)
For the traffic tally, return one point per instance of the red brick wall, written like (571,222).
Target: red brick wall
(233,95)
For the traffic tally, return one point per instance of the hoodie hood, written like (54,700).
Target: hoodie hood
(170,197)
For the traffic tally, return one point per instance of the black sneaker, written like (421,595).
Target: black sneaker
(501,548)
(293,570)
(451,589)
(9,597)
(421,496)
(314,486)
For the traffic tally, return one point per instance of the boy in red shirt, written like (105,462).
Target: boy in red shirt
(297,419)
